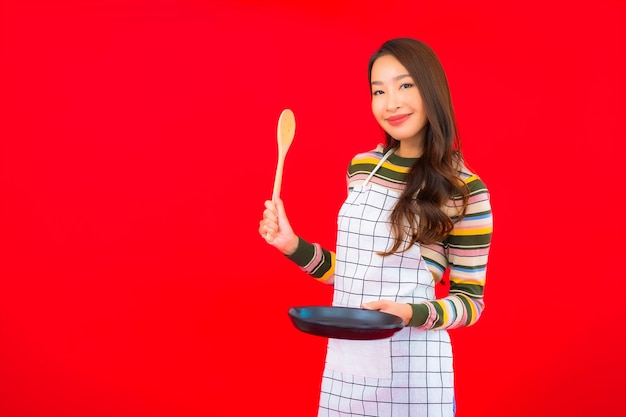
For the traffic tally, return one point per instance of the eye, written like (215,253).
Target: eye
(406,85)
(377,92)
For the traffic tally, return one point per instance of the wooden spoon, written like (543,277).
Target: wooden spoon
(285,133)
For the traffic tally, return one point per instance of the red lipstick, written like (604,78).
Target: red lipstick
(397,120)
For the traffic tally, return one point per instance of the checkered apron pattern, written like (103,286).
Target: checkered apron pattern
(409,374)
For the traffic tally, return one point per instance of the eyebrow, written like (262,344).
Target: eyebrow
(396,78)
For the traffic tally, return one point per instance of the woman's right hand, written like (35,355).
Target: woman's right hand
(275,228)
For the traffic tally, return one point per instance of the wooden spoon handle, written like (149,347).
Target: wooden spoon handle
(279,176)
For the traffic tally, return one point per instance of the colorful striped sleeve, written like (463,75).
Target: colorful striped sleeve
(465,252)
(314,260)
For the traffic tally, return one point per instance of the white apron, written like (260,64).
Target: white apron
(409,374)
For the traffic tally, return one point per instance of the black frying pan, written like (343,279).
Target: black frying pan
(345,322)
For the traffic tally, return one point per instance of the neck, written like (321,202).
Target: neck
(405,150)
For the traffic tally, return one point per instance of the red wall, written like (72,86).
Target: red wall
(137,145)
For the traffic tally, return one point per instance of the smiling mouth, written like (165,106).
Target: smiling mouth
(397,120)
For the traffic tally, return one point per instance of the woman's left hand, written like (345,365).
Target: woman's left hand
(402,310)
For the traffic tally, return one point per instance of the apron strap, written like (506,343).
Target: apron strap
(383,159)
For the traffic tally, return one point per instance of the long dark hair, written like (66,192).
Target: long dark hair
(434,178)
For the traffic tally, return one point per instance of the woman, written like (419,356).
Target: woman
(413,211)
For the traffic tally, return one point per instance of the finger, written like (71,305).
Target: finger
(373,305)
(263,231)
(269,205)
(268,226)
(268,235)
(265,228)
(269,217)
(271,222)
(280,208)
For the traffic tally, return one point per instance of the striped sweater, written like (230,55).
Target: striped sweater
(464,252)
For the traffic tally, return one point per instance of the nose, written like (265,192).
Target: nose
(393,102)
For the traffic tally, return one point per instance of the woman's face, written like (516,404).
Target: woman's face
(397,103)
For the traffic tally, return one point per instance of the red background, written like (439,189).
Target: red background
(137,145)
